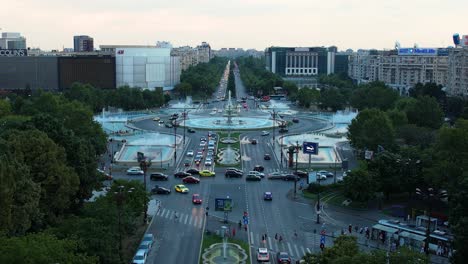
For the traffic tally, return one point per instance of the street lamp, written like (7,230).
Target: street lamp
(119,198)
(144,164)
(297,161)
(175,143)
(430,195)
(281,152)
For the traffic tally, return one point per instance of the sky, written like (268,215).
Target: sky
(355,24)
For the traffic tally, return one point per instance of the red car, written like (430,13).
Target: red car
(190,179)
(196,199)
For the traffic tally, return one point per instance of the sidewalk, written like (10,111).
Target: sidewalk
(214,225)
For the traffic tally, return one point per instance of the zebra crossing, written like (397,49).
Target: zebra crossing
(185,219)
(295,250)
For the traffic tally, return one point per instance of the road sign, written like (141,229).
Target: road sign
(246,220)
(223,204)
(322,240)
(310,148)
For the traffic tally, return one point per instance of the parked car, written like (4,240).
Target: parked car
(157,118)
(263,255)
(302,174)
(253,141)
(191,130)
(160,190)
(283,257)
(267,157)
(252,177)
(149,237)
(140,257)
(146,246)
(291,177)
(233,173)
(265,133)
(259,168)
(157,176)
(267,196)
(295,120)
(196,199)
(135,171)
(182,174)
(190,179)
(193,171)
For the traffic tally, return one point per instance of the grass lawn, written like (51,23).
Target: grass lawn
(211,239)
(234,135)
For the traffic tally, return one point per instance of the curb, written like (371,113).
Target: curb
(201,242)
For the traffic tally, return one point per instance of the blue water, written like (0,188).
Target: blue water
(154,153)
(212,123)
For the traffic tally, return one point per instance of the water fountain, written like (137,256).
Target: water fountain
(229,156)
(224,253)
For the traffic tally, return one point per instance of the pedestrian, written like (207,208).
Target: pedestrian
(280,239)
(350,228)
(245,228)
(295,233)
(263,238)
(356,229)
(342,231)
(276,236)
(233,232)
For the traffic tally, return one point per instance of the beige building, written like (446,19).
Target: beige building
(192,56)
(457,84)
(400,69)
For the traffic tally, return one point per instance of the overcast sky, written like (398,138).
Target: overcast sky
(51,24)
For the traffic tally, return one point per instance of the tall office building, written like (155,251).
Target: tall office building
(12,40)
(83,43)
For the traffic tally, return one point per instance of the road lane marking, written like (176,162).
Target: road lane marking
(297,251)
(185,219)
(195,223)
(200,223)
(303,251)
(308,250)
(191,219)
(269,243)
(252,238)
(302,203)
(289,247)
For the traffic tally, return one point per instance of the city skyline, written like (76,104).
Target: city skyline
(244,24)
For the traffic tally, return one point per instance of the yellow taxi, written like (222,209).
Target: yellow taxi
(181,188)
(207,173)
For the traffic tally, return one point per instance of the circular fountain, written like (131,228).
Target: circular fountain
(224,253)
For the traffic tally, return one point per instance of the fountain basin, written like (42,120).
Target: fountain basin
(234,254)
(238,123)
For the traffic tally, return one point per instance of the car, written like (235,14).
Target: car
(345,173)
(190,179)
(191,130)
(135,171)
(339,178)
(157,118)
(168,125)
(283,257)
(302,174)
(276,176)
(291,177)
(253,141)
(161,121)
(295,120)
(265,133)
(196,199)
(263,255)
(234,169)
(193,171)
(210,152)
(140,257)
(259,168)
(157,176)
(160,190)
(146,246)
(267,157)
(283,130)
(202,143)
(203,139)
(173,118)
(190,153)
(207,173)
(187,163)
(259,174)
(181,188)
(232,173)
(208,161)
(252,177)
(149,238)
(105,175)
(267,196)
(330,174)
(321,177)
(182,174)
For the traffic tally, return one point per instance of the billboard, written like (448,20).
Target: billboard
(223,204)
(417,51)
(310,148)
(13,52)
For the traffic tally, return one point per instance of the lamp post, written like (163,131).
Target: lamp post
(119,198)
(430,195)
(274,122)
(281,151)
(297,161)
(175,144)
(184,114)
(144,164)
(336,157)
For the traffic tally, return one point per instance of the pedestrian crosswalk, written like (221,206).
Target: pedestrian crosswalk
(294,248)
(185,219)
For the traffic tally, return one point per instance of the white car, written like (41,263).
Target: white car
(263,255)
(257,173)
(135,171)
(190,153)
(265,133)
(140,257)
(202,143)
(321,177)
(208,162)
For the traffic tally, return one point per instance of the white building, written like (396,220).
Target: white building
(457,84)
(12,40)
(146,67)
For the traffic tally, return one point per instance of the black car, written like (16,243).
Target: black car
(158,177)
(193,171)
(291,177)
(295,120)
(160,190)
(191,130)
(253,141)
(301,174)
(252,177)
(232,173)
(283,257)
(168,125)
(283,130)
(259,168)
(329,174)
(182,174)
(267,157)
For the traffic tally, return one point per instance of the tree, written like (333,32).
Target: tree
(370,129)
(306,97)
(360,180)
(425,112)
(184,88)
(428,89)
(374,95)
(384,169)
(42,248)
(290,88)
(331,98)
(5,108)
